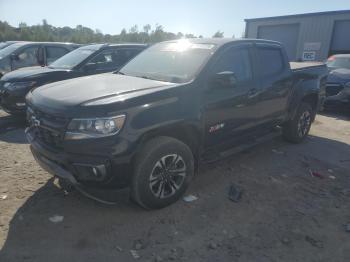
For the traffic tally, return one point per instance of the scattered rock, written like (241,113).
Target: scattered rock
(277,152)
(189,198)
(3,197)
(314,242)
(330,171)
(212,245)
(56,219)
(30,188)
(235,193)
(347,228)
(138,246)
(134,254)
(158,259)
(285,240)
(119,248)
(332,177)
(316,174)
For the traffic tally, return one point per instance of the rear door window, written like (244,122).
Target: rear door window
(271,61)
(53,53)
(26,57)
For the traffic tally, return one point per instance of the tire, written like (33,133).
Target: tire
(163,170)
(296,129)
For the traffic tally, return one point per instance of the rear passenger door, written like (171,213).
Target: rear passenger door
(53,53)
(275,82)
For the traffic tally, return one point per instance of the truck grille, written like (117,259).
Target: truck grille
(333,89)
(49,129)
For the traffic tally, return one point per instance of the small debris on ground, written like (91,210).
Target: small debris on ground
(277,152)
(332,177)
(138,244)
(314,242)
(119,248)
(285,240)
(316,174)
(56,219)
(347,228)
(158,259)
(189,198)
(330,171)
(134,254)
(3,197)
(212,245)
(234,193)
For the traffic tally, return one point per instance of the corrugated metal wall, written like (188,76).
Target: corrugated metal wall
(315,32)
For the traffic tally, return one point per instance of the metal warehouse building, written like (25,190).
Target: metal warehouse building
(307,37)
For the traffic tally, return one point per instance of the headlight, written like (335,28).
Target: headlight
(18,85)
(94,127)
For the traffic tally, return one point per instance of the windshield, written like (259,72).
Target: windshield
(9,49)
(176,62)
(339,62)
(73,58)
(3,45)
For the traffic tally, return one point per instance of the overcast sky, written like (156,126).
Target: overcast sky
(200,17)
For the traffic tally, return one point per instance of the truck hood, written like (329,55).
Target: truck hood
(341,75)
(30,73)
(77,92)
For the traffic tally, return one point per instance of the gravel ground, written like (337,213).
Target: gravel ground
(285,213)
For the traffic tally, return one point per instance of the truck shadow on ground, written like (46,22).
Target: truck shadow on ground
(15,126)
(95,232)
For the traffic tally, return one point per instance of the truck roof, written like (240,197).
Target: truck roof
(222,41)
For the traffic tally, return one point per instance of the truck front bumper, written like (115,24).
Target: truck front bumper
(13,102)
(81,170)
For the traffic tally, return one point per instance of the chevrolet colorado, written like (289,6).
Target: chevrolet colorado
(176,104)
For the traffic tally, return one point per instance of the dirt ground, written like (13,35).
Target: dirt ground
(285,213)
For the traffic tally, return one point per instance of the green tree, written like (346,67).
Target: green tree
(218,34)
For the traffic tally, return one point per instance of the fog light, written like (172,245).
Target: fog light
(86,172)
(20,104)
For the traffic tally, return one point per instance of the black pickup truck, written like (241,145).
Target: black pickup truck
(174,105)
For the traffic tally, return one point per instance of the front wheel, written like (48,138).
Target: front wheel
(163,169)
(296,129)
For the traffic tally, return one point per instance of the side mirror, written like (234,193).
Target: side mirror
(226,79)
(14,57)
(90,67)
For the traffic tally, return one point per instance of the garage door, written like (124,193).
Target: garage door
(341,37)
(286,34)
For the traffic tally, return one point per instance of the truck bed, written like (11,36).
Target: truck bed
(303,65)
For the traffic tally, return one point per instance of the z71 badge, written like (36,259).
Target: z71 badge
(216,127)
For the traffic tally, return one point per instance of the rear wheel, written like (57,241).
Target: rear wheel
(163,169)
(296,129)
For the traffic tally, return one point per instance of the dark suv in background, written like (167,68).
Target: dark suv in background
(24,54)
(338,82)
(86,60)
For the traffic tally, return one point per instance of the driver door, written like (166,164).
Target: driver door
(230,112)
